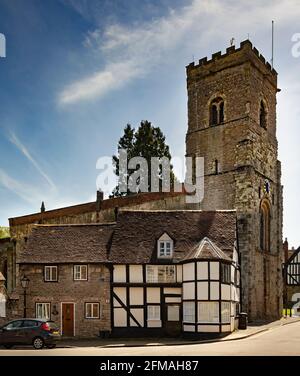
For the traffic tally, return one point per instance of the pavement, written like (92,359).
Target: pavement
(260,339)
(253,329)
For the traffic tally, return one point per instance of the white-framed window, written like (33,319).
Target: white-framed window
(225,312)
(153,312)
(160,273)
(42,311)
(80,273)
(225,273)
(50,273)
(92,310)
(208,312)
(189,312)
(165,248)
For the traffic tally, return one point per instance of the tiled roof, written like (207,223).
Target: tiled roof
(206,249)
(136,234)
(67,244)
(133,239)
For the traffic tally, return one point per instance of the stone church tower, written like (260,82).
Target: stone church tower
(232,124)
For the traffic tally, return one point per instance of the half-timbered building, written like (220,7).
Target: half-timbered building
(292,283)
(174,272)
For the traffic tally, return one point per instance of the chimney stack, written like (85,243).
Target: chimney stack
(43,209)
(99,199)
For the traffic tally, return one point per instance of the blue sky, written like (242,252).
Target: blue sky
(77,71)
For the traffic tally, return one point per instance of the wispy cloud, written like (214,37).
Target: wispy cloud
(27,192)
(22,148)
(35,195)
(131,51)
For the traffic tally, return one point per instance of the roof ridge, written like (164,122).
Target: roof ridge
(176,211)
(73,224)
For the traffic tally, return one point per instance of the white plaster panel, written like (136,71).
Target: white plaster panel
(120,317)
(188,290)
(154,323)
(225,292)
(136,296)
(232,273)
(214,291)
(208,328)
(173,300)
(202,270)
(226,328)
(135,273)
(214,270)
(188,328)
(202,290)
(153,295)
(188,272)
(179,273)
(119,273)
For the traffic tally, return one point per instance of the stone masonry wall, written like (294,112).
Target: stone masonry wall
(95,289)
(247,158)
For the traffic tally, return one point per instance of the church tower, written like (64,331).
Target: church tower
(232,124)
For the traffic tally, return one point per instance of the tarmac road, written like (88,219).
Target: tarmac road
(283,340)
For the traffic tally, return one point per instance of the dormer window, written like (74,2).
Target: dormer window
(216,111)
(165,247)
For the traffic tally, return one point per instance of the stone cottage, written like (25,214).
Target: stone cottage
(69,279)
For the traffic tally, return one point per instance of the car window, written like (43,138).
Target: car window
(30,323)
(14,325)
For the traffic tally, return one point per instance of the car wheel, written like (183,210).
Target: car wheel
(8,346)
(38,343)
(50,346)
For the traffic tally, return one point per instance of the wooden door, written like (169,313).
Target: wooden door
(172,319)
(68,319)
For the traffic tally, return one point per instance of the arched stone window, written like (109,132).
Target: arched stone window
(216,111)
(265,226)
(263,115)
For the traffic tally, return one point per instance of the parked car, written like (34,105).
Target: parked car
(35,332)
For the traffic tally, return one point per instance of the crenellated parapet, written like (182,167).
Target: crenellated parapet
(233,56)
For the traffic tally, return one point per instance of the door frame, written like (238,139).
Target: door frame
(164,315)
(61,314)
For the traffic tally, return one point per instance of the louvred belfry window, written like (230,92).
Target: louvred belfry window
(216,111)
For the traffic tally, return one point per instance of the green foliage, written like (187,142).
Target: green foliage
(4,232)
(147,141)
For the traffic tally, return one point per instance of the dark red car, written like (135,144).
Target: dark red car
(35,332)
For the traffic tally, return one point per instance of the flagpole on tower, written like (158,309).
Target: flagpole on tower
(272,60)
